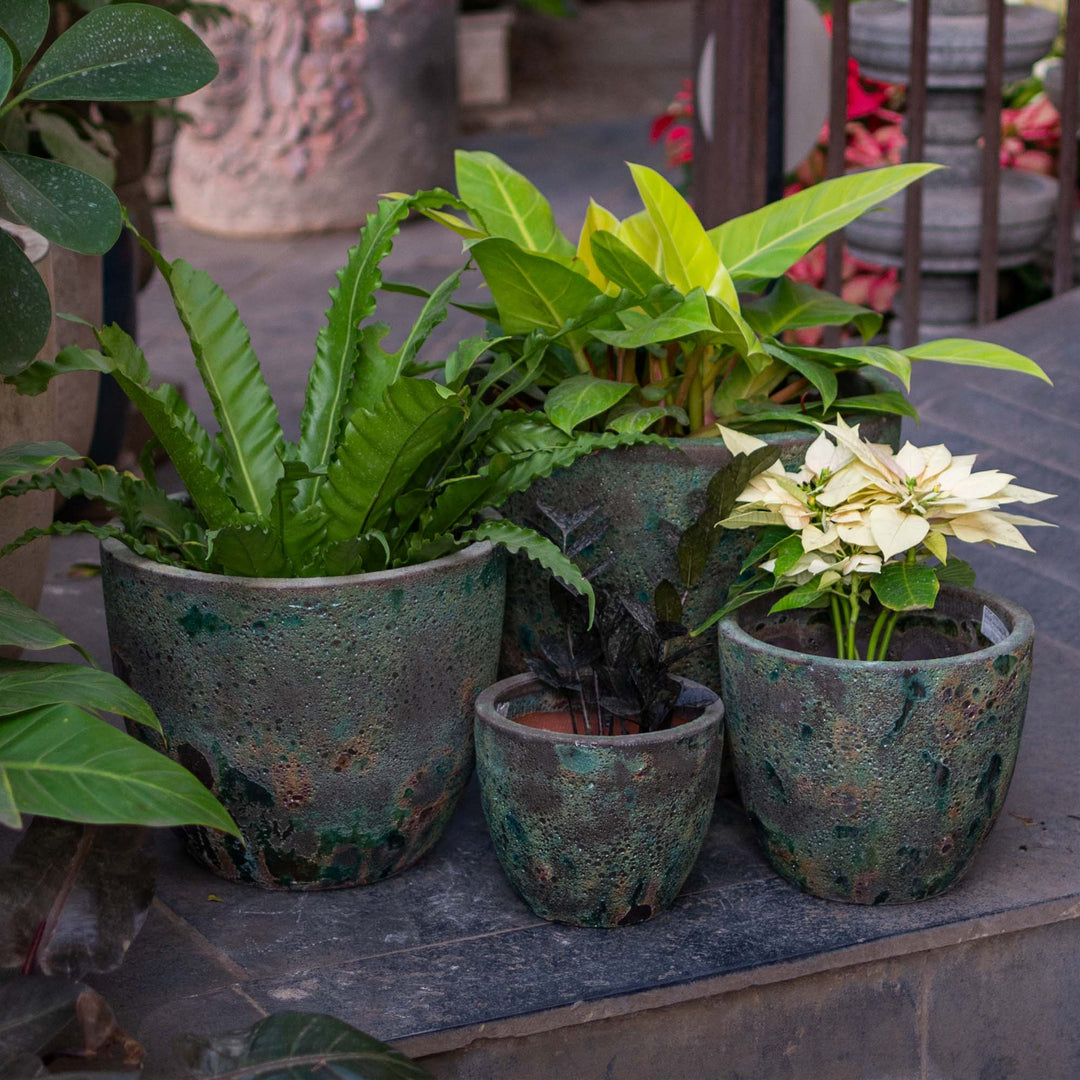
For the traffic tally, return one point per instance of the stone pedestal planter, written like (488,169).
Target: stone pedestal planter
(331,716)
(595,830)
(877,782)
(320,107)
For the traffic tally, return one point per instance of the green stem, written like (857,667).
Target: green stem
(871,653)
(853,618)
(883,651)
(838,625)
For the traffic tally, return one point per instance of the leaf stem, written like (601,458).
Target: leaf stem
(838,625)
(890,626)
(853,618)
(871,649)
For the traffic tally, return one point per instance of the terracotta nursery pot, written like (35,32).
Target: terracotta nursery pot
(595,830)
(876,783)
(641,489)
(331,716)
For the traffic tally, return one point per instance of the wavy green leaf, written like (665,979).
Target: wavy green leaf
(518,539)
(127,52)
(25,308)
(769,241)
(26,685)
(795,305)
(904,586)
(382,449)
(573,401)
(24,23)
(251,550)
(983,354)
(64,204)
(64,763)
(22,459)
(505,204)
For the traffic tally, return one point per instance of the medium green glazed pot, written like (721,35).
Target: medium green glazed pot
(648,495)
(331,716)
(595,830)
(876,783)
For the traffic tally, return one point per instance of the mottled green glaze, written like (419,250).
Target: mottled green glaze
(648,494)
(332,716)
(593,830)
(875,783)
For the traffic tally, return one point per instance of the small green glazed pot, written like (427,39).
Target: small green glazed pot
(595,830)
(649,495)
(331,716)
(876,783)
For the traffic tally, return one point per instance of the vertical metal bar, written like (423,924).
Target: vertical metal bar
(730,167)
(916,136)
(838,108)
(777,104)
(1066,212)
(991,162)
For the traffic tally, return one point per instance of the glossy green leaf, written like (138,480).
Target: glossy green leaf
(641,418)
(124,52)
(573,401)
(7,68)
(847,357)
(249,550)
(640,235)
(806,595)
(769,241)
(25,309)
(506,204)
(23,23)
(690,260)
(955,572)
(531,292)
(381,450)
(683,320)
(22,459)
(888,401)
(904,586)
(822,378)
(296,1046)
(461,361)
(983,354)
(65,205)
(64,763)
(621,264)
(27,685)
(63,142)
(24,628)
(796,305)
(766,542)
(516,538)
(788,552)
(15,132)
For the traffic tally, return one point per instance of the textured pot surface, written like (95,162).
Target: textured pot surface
(332,716)
(594,830)
(641,489)
(876,782)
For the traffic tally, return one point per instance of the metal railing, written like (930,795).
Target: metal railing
(737,169)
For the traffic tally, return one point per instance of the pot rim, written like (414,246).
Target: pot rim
(518,685)
(1023,629)
(123,554)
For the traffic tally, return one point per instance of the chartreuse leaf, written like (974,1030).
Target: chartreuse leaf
(976,353)
(506,204)
(619,263)
(382,449)
(769,241)
(245,411)
(690,316)
(352,301)
(28,685)
(690,261)
(23,459)
(516,538)
(848,356)
(25,309)
(639,234)
(126,52)
(23,24)
(64,763)
(300,1046)
(573,401)
(24,628)
(596,219)
(64,204)
(531,292)
(795,305)
(904,586)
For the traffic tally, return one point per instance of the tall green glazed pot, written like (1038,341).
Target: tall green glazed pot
(331,716)
(648,496)
(877,782)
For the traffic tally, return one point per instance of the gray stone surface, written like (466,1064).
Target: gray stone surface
(744,977)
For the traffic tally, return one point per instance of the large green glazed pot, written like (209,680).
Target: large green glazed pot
(648,495)
(331,716)
(876,783)
(595,830)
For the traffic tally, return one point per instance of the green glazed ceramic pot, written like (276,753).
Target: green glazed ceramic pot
(876,783)
(331,716)
(595,830)
(648,496)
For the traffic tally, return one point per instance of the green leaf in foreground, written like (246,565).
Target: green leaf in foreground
(977,354)
(300,1046)
(64,763)
(903,586)
(573,401)
(25,309)
(24,628)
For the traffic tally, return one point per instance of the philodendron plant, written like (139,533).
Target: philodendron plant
(864,532)
(391,468)
(123,53)
(658,323)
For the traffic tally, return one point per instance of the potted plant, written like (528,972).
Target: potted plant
(875,708)
(660,325)
(598,770)
(313,622)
